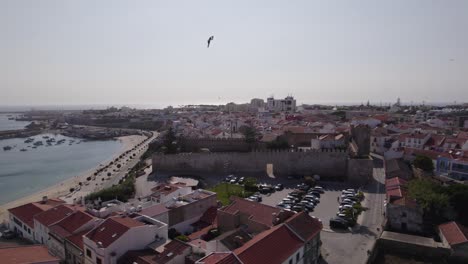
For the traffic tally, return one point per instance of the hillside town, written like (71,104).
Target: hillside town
(268,181)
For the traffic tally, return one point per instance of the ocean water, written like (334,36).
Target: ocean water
(6,124)
(25,172)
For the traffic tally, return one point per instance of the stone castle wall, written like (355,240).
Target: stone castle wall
(329,164)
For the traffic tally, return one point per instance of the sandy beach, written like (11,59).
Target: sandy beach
(62,189)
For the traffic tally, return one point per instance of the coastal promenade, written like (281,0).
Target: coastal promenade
(62,189)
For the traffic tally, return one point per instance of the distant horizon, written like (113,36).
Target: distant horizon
(71,107)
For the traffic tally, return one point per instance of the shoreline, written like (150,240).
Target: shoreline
(62,188)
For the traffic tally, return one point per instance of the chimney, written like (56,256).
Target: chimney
(274,218)
(44,199)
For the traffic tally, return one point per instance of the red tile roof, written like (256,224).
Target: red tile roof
(70,224)
(53,215)
(77,239)
(272,246)
(220,258)
(397,181)
(304,225)
(454,233)
(112,229)
(27,254)
(26,212)
(257,212)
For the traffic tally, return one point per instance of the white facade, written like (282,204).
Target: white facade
(287,104)
(164,198)
(136,238)
(21,228)
(296,257)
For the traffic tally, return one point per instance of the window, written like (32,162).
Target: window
(403,214)
(98,260)
(297,257)
(88,252)
(290,261)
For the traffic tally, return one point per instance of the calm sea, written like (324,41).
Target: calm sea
(6,124)
(26,172)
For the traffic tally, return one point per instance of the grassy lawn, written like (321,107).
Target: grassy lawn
(226,190)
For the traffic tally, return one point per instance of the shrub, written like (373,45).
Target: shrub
(173,233)
(182,238)
(424,163)
(123,191)
(360,196)
(250,184)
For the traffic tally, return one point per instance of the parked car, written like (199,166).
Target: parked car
(338,223)
(340,214)
(287,201)
(279,187)
(8,234)
(296,193)
(314,193)
(254,198)
(318,189)
(241,180)
(303,187)
(283,205)
(297,208)
(345,206)
(314,200)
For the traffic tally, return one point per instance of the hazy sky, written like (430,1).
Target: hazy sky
(154,52)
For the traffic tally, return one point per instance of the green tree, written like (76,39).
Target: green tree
(250,134)
(250,184)
(424,163)
(169,142)
(430,196)
(280,142)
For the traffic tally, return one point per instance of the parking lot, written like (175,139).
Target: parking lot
(338,245)
(326,209)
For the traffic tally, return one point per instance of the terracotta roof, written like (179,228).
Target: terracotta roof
(272,246)
(397,181)
(112,229)
(26,212)
(257,212)
(304,225)
(70,224)
(454,233)
(53,215)
(220,258)
(148,256)
(27,254)
(77,239)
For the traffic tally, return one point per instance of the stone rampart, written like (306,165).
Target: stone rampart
(326,163)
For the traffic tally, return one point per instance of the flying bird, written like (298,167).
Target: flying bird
(209,41)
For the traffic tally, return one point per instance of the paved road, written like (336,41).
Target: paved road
(353,246)
(116,176)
